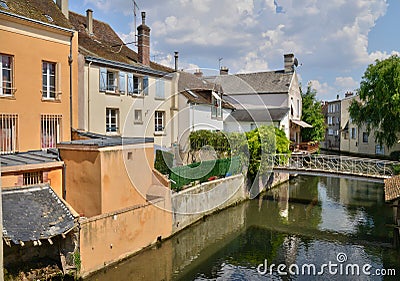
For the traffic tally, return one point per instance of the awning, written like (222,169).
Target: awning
(301,123)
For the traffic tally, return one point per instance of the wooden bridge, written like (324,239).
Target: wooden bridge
(375,170)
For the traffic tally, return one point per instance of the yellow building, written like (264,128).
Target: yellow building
(38,55)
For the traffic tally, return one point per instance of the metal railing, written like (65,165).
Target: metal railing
(337,164)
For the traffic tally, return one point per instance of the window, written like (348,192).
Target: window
(50,130)
(365,137)
(216,107)
(159,121)
(160,89)
(330,120)
(133,85)
(138,116)
(353,133)
(108,80)
(112,120)
(379,150)
(8,133)
(49,80)
(6,78)
(32,178)
(330,132)
(298,108)
(336,132)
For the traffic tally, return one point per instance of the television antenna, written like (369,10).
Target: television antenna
(219,63)
(135,6)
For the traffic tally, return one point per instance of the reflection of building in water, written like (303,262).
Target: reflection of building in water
(290,246)
(283,201)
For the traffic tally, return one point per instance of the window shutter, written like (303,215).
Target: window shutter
(160,88)
(103,79)
(122,84)
(130,83)
(146,85)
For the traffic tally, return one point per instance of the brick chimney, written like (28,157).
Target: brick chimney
(198,73)
(224,70)
(176,55)
(144,42)
(63,5)
(348,94)
(289,62)
(89,21)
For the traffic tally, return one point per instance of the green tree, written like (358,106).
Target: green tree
(312,114)
(379,104)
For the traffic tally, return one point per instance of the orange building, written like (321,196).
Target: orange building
(38,56)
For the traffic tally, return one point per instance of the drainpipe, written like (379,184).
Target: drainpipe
(88,95)
(64,181)
(70,60)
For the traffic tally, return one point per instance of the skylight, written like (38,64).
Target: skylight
(4,5)
(50,19)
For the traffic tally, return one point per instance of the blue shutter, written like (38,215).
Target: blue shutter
(103,79)
(122,84)
(130,83)
(160,88)
(146,85)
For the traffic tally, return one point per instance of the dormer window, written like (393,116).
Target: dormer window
(50,19)
(216,105)
(3,5)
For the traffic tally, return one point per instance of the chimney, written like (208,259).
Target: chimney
(63,5)
(289,62)
(144,42)
(198,73)
(89,21)
(337,97)
(348,94)
(223,70)
(176,61)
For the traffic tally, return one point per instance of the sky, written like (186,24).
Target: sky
(333,40)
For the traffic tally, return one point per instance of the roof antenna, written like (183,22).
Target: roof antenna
(135,6)
(219,63)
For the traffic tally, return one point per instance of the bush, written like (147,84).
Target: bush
(163,161)
(395,155)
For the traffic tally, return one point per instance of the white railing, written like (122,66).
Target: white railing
(334,164)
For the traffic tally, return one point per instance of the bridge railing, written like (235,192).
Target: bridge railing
(335,164)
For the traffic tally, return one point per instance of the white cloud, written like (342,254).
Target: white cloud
(322,88)
(346,83)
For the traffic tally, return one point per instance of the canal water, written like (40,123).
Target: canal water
(316,228)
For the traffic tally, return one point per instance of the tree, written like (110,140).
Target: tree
(312,114)
(378,107)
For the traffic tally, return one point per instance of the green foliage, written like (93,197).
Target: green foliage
(163,161)
(379,105)
(77,260)
(217,140)
(395,155)
(312,114)
(396,169)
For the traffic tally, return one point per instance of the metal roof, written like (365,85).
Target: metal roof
(106,141)
(33,213)
(29,157)
(259,115)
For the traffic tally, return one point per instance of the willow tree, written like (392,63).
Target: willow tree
(378,107)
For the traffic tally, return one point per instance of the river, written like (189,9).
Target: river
(309,226)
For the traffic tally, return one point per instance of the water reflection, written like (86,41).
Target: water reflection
(308,220)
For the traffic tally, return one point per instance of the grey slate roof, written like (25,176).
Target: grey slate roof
(259,115)
(34,213)
(270,82)
(29,157)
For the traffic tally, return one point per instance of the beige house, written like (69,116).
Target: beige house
(355,139)
(122,92)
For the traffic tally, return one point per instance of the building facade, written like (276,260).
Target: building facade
(332,112)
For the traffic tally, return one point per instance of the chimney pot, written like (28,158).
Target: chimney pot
(198,73)
(143,18)
(89,21)
(176,61)
(337,97)
(63,6)
(224,70)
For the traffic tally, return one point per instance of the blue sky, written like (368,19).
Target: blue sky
(333,40)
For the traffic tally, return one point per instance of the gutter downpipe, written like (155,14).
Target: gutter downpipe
(88,95)
(70,60)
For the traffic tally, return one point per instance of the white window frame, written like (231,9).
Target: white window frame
(6,86)
(159,116)
(8,133)
(49,91)
(216,106)
(353,133)
(50,130)
(112,120)
(379,150)
(111,87)
(330,120)
(138,116)
(330,132)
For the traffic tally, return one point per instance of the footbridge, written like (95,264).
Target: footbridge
(374,170)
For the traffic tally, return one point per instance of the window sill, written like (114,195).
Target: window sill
(8,97)
(136,96)
(51,100)
(113,93)
(159,98)
(157,134)
(138,122)
(112,133)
